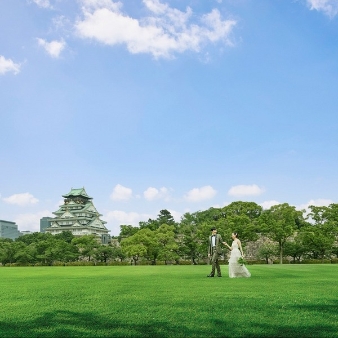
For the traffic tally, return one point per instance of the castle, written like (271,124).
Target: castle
(79,216)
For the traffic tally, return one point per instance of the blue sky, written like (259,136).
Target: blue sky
(179,105)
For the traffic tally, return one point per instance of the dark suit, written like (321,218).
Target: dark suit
(214,253)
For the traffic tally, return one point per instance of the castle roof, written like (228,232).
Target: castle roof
(77,193)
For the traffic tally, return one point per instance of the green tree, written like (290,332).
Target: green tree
(164,217)
(104,253)
(141,244)
(279,223)
(86,244)
(117,251)
(66,236)
(188,238)
(321,234)
(55,250)
(167,246)
(267,251)
(8,249)
(127,231)
(243,218)
(295,249)
(27,254)
(34,237)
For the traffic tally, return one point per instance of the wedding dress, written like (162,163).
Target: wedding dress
(235,269)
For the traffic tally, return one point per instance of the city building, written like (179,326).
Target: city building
(25,232)
(9,230)
(78,215)
(45,223)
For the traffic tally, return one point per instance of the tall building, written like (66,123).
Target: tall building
(79,216)
(9,229)
(44,223)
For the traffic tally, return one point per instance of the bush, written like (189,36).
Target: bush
(185,262)
(316,261)
(258,261)
(143,262)
(80,263)
(285,261)
(202,263)
(116,263)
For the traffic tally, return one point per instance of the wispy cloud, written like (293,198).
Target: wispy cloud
(328,7)
(245,190)
(21,199)
(43,3)
(121,193)
(53,48)
(200,194)
(7,65)
(163,33)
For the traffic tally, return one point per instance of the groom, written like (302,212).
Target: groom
(214,251)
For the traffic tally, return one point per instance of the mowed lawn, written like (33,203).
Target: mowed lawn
(168,301)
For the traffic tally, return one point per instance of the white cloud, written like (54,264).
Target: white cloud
(268,204)
(245,190)
(126,217)
(31,221)
(116,218)
(53,48)
(200,194)
(21,199)
(121,193)
(176,214)
(217,205)
(165,32)
(43,3)
(7,65)
(321,202)
(153,193)
(329,7)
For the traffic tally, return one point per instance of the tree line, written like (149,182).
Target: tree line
(278,232)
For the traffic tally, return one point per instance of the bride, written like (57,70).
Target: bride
(235,268)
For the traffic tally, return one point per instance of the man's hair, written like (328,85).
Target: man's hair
(213,228)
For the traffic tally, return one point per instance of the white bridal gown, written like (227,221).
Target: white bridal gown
(235,269)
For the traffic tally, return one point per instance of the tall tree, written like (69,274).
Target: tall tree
(127,231)
(141,244)
(188,238)
(167,246)
(164,217)
(279,223)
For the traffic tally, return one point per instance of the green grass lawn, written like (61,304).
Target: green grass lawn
(168,301)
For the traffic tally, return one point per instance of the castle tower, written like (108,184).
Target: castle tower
(79,216)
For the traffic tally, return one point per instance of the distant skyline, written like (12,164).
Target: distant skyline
(180,105)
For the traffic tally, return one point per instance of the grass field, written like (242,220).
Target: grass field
(168,301)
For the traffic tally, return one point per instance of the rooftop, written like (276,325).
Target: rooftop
(77,192)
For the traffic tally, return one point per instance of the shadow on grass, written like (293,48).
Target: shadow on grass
(89,324)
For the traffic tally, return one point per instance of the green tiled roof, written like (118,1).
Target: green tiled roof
(77,192)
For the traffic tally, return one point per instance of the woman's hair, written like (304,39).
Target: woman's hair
(236,234)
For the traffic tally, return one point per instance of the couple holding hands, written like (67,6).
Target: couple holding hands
(236,268)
